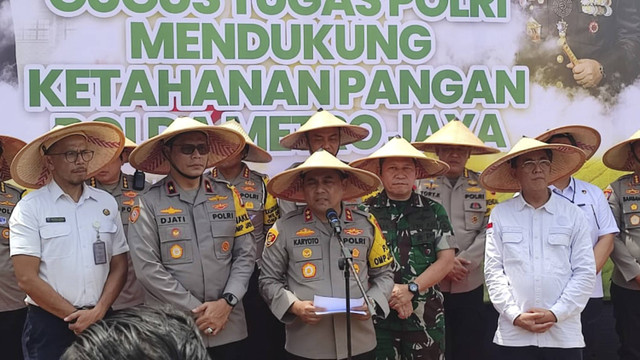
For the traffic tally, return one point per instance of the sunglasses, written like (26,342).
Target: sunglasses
(188,149)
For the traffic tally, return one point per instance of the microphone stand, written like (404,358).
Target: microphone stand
(346,264)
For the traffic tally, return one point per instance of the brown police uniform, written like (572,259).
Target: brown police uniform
(300,260)
(132,293)
(187,251)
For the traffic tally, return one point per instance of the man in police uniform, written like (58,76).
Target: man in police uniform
(12,307)
(603,37)
(266,333)
(121,186)
(190,236)
(301,257)
(325,131)
(468,205)
(624,200)
(67,243)
(418,233)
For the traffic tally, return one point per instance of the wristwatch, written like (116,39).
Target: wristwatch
(414,289)
(231,299)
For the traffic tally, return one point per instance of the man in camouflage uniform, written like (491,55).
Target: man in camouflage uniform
(468,205)
(190,236)
(266,333)
(121,186)
(13,310)
(625,280)
(301,257)
(325,131)
(419,236)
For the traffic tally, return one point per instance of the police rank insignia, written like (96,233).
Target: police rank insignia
(307,215)
(176,251)
(347,215)
(134,215)
(272,235)
(308,270)
(106,212)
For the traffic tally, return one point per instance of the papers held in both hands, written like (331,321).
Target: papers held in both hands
(334,305)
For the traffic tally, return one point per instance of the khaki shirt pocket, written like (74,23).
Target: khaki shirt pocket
(474,211)
(223,237)
(176,245)
(55,240)
(309,265)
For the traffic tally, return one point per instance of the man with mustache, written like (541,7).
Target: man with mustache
(468,205)
(190,236)
(68,247)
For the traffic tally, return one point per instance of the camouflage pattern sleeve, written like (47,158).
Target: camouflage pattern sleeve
(444,233)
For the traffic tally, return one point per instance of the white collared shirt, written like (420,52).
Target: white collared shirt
(593,203)
(49,225)
(539,258)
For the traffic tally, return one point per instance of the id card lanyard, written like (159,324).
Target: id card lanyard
(99,247)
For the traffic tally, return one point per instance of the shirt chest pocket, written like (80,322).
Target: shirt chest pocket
(223,237)
(308,263)
(56,241)
(557,258)
(176,244)
(474,211)
(631,212)
(423,249)
(514,249)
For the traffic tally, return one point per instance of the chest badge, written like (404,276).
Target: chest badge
(353,231)
(175,233)
(355,253)
(356,267)
(306,253)
(308,270)
(305,232)
(225,246)
(171,210)
(106,212)
(176,251)
(634,220)
(5,233)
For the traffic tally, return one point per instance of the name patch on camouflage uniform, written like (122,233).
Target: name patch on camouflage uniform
(271,238)
(134,215)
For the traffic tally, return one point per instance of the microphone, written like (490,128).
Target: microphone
(332,216)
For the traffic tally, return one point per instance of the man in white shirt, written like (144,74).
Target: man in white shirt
(67,244)
(539,263)
(595,207)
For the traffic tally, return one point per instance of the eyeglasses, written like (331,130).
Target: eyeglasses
(72,156)
(531,165)
(188,149)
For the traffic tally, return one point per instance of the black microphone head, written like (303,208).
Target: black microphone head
(331,214)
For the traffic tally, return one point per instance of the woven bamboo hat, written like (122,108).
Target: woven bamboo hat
(256,153)
(323,120)
(497,176)
(400,148)
(106,140)
(620,156)
(10,147)
(587,138)
(288,184)
(223,142)
(455,133)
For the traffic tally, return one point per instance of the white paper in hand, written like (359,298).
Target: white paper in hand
(334,305)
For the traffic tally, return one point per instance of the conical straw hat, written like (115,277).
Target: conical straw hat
(620,157)
(323,120)
(10,147)
(106,140)
(566,160)
(587,138)
(455,133)
(288,184)
(400,148)
(256,153)
(223,142)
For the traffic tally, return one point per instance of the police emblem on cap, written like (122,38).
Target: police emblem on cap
(106,212)
(176,251)
(308,270)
